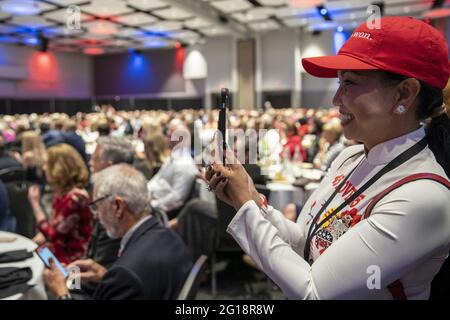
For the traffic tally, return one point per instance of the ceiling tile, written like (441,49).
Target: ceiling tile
(68,2)
(106,8)
(197,23)
(156,43)
(272,2)
(172,13)
(264,25)
(295,22)
(61,31)
(399,10)
(63,15)
(102,28)
(121,43)
(31,22)
(147,4)
(184,35)
(214,31)
(254,14)
(130,32)
(292,12)
(347,4)
(228,6)
(164,26)
(136,19)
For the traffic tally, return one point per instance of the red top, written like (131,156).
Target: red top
(291,143)
(69,229)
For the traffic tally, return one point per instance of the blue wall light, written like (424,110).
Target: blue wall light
(31,41)
(339,38)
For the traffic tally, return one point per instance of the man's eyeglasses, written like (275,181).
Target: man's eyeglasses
(93,204)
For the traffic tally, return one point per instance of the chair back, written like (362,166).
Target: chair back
(12,174)
(192,283)
(20,208)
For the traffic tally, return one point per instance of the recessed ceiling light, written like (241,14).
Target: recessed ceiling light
(20,7)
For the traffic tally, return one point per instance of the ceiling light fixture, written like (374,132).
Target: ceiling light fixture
(324,13)
(43,44)
(20,7)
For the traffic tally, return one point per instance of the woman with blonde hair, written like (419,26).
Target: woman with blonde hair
(33,155)
(156,151)
(69,229)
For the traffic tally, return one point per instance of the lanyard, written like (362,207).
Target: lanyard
(400,159)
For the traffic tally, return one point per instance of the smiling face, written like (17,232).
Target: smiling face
(365,102)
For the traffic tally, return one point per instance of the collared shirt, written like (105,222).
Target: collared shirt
(406,237)
(170,187)
(130,232)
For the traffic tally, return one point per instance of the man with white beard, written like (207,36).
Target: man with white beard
(153,261)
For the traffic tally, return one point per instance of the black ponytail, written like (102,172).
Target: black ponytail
(438,137)
(438,129)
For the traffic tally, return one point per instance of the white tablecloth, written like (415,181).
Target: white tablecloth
(35,263)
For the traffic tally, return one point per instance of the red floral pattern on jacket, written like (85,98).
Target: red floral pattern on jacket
(70,227)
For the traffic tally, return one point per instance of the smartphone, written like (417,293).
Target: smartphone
(45,254)
(222,125)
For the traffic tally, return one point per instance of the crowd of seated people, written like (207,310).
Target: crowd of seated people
(166,149)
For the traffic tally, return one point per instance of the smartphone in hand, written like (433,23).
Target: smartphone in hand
(45,254)
(222,125)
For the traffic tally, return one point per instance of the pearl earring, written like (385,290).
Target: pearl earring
(401,109)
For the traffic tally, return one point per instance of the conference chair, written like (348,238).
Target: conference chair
(190,288)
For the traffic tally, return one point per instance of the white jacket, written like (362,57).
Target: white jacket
(406,237)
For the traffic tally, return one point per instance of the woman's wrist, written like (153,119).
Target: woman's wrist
(241,200)
(38,212)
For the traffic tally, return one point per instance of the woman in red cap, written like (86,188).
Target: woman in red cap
(378,225)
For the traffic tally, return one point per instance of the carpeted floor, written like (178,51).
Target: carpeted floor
(238,281)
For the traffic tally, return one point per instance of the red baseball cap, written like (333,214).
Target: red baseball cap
(403,45)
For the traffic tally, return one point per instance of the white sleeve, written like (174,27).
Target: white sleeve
(289,231)
(405,229)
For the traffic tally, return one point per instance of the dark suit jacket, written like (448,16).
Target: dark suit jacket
(153,265)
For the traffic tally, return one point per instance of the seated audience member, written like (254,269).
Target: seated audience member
(294,143)
(156,151)
(109,151)
(103,249)
(50,135)
(330,145)
(103,127)
(171,186)
(71,137)
(33,156)
(153,262)
(69,229)
(7,220)
(312,137)
(6,160)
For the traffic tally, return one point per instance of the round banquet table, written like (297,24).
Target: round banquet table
(37,292)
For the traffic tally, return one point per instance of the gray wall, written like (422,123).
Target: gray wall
(61,75)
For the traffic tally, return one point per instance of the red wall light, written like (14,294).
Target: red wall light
(43,67)
(93,51)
